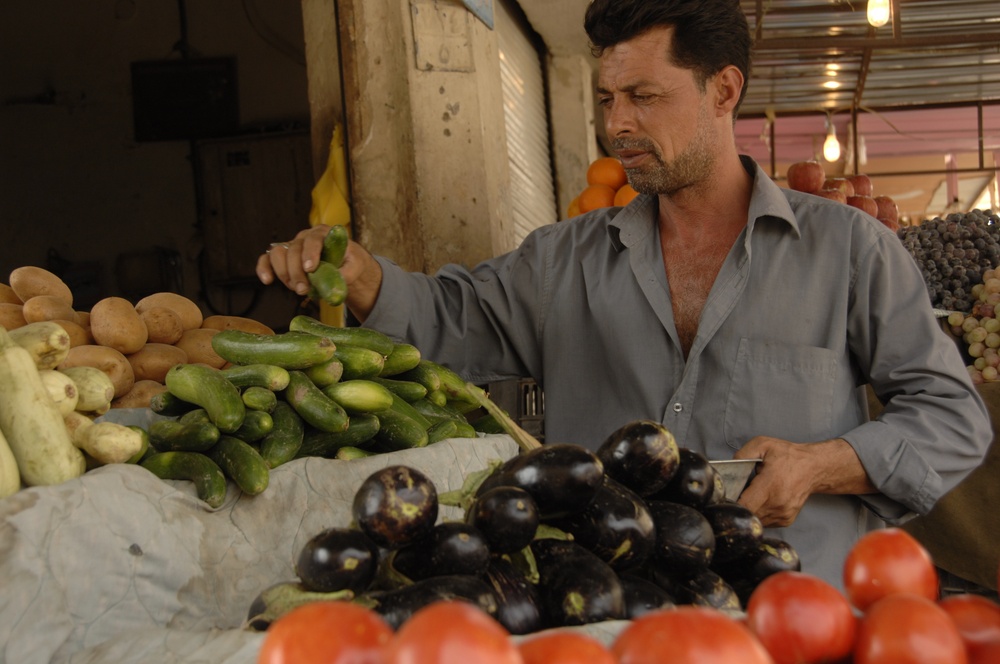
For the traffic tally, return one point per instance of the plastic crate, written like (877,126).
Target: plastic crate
(524,401)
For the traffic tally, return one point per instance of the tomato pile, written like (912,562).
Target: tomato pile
(890,612)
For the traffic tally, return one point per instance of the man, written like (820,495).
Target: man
(745,317)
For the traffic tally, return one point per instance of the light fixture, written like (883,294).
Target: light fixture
(831,146)
(878,12)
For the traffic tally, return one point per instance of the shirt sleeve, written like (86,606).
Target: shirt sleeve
(934,428)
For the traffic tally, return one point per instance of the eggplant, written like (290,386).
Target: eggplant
(450,548)
(519,606)
(642,455)
(561,477)
(701,588)
(616,526)
(337,559)
(643,596)
(684,537)
(737,530)
(395,506)
(507,516)
(770,556)
(576,587)
(396,606)
(276,600)
(692,484)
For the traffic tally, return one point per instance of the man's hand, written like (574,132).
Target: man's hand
(289,262)
(791,472)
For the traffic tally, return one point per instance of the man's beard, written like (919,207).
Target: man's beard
(689,167)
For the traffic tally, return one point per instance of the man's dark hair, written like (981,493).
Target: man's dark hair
(708,34)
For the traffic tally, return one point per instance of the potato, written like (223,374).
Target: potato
(163,325)
(29,281)
(8,295)
(198,346)
(140,394)
(191,316)
(110,361)
(83,318)
(12,315)
(78,335)
(152,361)
(240,323)
(46,307)
(115,323)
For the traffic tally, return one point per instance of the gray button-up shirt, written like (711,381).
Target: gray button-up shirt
(814,300)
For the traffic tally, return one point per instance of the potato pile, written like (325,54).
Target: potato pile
(134,345)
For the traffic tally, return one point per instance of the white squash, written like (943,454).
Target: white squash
(10,477)
(47,341)
(31,423)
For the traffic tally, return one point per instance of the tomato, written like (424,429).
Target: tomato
(801,619)
(985,653)
(688,635)
(564,648)
(327,633)
(908,629)
(888,561)
(451,632)
(977,618)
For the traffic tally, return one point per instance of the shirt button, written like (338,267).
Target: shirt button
(678,407)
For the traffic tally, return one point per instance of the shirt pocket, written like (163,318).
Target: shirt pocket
(780,390)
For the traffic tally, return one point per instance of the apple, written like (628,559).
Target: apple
(807,176)
(864,203)
(887,208)
(862,184)
(840,183)
(892,225)
(833,194)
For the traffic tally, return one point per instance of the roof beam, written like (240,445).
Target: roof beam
(857,43)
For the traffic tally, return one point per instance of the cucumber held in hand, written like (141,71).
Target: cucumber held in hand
(328,283)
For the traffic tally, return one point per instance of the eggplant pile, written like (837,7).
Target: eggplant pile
(556,536)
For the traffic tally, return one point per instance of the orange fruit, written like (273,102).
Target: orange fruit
(625,194)
(596,196)
(574,207)
(607,170)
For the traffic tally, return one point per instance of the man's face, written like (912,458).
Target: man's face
(657,117)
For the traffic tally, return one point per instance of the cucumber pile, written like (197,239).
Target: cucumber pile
(316,390)
(555,536)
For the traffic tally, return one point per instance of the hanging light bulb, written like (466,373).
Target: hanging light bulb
(878,12)
(831,146)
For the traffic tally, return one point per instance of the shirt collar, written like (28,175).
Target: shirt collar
(632,223)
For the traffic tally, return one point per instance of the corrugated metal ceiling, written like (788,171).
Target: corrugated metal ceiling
(931,52)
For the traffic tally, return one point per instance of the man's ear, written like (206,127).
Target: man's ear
(728,84)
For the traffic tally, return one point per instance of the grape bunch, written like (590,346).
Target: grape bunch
(980,330)
(953,253)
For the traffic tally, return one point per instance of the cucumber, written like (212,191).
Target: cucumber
(398,431)
(440,430)
(360,432)
(177,436)
(425,374)
(196,415)
(348,453)
(464,430)
(359,362)
(488,424)
(283,442)
(209,389)
(348,336)
(209,480)
(242,464)
(313,406)
(289,350)
(435,412)
(335,245)
(256,425)
(325,373)
(407,389)
(259,398)
(403,357)
(170,405)
(328,284)
(360,395)
(269,376)
(407,409)
(454,385)
(438,398)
